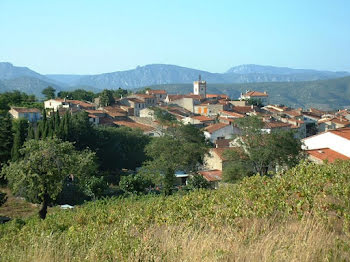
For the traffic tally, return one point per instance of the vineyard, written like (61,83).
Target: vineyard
(302,215)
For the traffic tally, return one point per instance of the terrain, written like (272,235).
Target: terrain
(302,215)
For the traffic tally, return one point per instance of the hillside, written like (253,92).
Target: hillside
(323,94)
(300,216)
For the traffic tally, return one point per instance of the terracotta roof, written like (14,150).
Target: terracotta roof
(216,95)
(175,97)
(232,114)
(93,116)
(80,103)
(220,143)
(243,109)
(335,120)
(135,100)
(25,110)
(227,119)
(255,93)
(143,95)
(293,113)
(163,92)
(106,121)
(114,111)
(211,175)
(212,128)
(312,115)
(133,124)
(95,111)
(343,132)
(326,154)
(202,118)
(193,96)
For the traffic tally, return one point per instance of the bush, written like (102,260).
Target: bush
(3,198)
(135,184)
(197,182)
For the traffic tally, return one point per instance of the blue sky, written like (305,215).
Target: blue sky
(88,37)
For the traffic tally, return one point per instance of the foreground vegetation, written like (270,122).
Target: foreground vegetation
(302,215)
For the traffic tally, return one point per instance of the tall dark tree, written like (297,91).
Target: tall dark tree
(20,130)
(106,98)
(49,92)
(6,137)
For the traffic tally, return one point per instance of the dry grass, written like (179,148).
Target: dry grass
(16,207)
(249,240)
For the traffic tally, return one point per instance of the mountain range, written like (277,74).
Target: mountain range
(297,87)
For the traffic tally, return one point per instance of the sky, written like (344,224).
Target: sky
(99,36)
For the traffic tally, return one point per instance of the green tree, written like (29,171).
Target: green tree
(135,184)
(197,182)
(6,138)
(78,94)
(106,98)
(49,92)
(181,148)
(260,151)
(39,175)
(3,198)
(164,117)
(120,92)
(20,130)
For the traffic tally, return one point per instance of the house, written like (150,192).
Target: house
(220,131)
(55,104)
(31,114)
(212,176)
(148,100)
(328,123)
(210,108)
(135,103)
(271,126)
(160,95)
(198,120)
(185,101)
(328,145)
(255,95)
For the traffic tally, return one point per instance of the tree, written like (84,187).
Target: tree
(39,175)
(106,98)
(135,184)
(181,148)
(259,151)
(78,94)
(197,182)
(6,138)
(255,102)
(3,198)
(163,116)
(20,130)
(49,92)
(120,92)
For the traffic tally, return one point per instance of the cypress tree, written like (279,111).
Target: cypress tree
(6,137)
(20,128)
(31,133)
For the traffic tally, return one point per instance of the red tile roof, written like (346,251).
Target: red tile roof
(25,110)
(243,109)
(81,103)
(232,114)
(343,132)
(215,127)
(202,118)
(255,94)
(216,95)
(275,124)
(211,175)
(326,154)
(151,92)
(114,111)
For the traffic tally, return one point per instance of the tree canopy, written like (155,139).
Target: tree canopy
(49,92)
(259,151)
(39,174)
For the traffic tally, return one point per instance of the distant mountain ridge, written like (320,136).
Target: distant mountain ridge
(27,80)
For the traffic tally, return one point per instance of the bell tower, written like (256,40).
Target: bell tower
(200,87)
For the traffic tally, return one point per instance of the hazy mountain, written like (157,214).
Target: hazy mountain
(323,94)
(171,74)
(252,69)
(29,85)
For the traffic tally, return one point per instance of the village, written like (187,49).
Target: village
(325,135)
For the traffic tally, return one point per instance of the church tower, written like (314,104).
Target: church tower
(200,87)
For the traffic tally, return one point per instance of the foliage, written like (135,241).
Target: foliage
(106,97)
(260,151)
(3,198)
(78,94)
(197,182)
(135,184)
(20,131)
(255,102)
(49,92)
(123,229)
(6,138)
(120,92)
(163,116)
(16,98)
(182,148)
(39,175)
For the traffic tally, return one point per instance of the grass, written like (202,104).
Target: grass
(302,215)
(16,207)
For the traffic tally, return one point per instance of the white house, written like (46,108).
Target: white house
(220,131)
(329,145)
(255,95)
